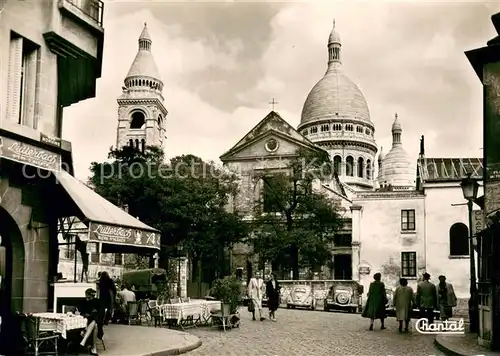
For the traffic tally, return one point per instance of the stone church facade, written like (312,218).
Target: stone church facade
(399,221)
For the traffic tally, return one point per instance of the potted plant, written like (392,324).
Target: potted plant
(228,291)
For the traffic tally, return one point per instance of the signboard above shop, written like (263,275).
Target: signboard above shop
(29,154)
(123,236)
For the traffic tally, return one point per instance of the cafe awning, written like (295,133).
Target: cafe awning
(115,229)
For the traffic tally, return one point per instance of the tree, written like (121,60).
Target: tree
(295,224)
(185,199)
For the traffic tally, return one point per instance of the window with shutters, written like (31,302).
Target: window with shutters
(23,70)
(408,264)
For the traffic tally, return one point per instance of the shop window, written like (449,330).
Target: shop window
(408,220)
(459,240)
(118,259)
(408,264)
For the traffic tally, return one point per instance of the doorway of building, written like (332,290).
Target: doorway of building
(11,294)
(342,267)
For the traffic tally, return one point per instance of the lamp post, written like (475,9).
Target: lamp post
(179,252)
(470,188)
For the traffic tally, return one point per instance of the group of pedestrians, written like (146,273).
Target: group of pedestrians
(256,291)
(428,298)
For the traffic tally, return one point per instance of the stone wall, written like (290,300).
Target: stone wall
(26,228)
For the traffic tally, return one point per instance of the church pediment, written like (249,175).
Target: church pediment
(273,122)
(271,144)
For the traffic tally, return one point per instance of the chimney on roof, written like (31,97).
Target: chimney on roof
(422,147)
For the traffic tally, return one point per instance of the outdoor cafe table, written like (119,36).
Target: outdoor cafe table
(194,308)
(60,323)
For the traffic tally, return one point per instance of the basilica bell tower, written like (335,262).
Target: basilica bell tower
(141,112)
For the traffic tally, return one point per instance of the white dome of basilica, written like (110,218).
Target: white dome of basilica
(335,116)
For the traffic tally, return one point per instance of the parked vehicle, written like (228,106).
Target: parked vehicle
(342,297)
(391,311)
(145,282)
(301,296)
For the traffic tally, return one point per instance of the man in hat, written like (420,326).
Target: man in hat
(426,299)
(90,310)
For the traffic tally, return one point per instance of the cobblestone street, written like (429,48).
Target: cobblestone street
(303,332)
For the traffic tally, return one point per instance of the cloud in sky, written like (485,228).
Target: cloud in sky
(221,63)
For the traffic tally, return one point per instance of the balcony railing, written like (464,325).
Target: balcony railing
(92,8)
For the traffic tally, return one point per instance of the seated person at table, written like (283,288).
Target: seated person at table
(90,310)
(124,296)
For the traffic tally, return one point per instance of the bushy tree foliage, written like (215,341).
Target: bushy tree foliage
(185,199)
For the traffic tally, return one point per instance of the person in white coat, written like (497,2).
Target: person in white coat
(256,291)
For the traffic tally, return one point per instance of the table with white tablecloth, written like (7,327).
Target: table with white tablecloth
(60,323)
(200,309)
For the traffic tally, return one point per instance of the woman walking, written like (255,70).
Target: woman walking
(375,304)
(256,291)
(107,293)
(273,296)
(403,303)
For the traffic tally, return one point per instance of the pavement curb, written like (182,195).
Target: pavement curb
(442,346)
(178,351)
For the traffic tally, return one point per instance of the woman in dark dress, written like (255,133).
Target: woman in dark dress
(107,295)
(273,296)
(375,304)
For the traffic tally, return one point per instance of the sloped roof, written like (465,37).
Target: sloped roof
(449,169)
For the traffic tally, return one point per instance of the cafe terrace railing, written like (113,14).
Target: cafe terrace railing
(320,288)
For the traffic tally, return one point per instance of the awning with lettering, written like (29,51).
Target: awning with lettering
(115,229)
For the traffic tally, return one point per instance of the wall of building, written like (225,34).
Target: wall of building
(440,216)
(380,236)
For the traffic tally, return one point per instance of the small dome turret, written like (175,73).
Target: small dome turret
(144,72)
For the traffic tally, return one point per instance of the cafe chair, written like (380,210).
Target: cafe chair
(36,339)
(185,300)
(133,313)
(154,315)
(68,309)
(222,318)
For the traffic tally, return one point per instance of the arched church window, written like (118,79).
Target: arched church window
(337,164)
(349,127)
(349,166)
(361,167)
(131,143)
(305,132)
(359,129)
(143,145)
(137,143)
(368,169)
(337,127)
(367,132)
(459,240)
(138,120)
(314,129)
(325,127)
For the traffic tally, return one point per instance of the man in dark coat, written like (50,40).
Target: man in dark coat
(426,299)
(273,296)
(375,304)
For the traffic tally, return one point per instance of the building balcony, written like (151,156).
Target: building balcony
(86,11)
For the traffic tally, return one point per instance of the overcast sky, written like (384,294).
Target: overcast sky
(221,64)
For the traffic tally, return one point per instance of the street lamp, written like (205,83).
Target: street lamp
(470,188)
(179,252)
